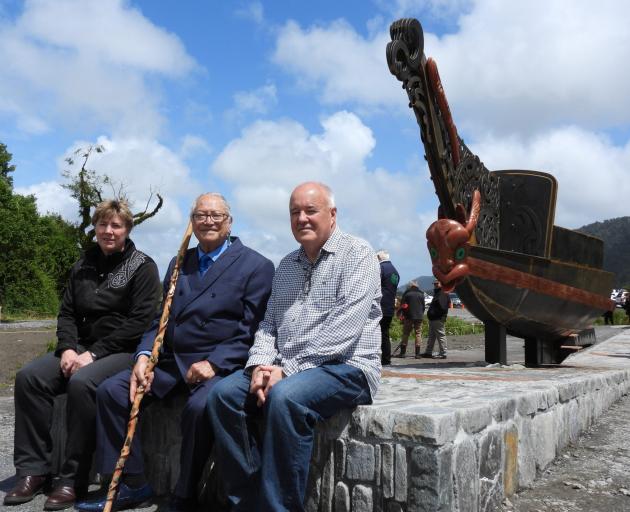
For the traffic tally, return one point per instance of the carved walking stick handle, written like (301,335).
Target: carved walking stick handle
(157,344)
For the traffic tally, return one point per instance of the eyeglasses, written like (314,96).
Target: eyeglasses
(214,216)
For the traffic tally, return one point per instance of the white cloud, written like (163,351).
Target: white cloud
(592,173)
(51,199)
(143,166)
(255,102)
(192,145)
(253,11)
(70,60)
(506,68)
(271,157)
(511,68)
(335,61)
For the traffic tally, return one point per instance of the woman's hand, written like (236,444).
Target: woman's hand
(81,361)
(68,357)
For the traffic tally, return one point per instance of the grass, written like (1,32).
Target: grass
(454,327)
(619,318)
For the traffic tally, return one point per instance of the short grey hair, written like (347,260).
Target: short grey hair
(211,194)
(382,255)
(329,194)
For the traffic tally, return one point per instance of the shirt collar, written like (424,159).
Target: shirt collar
(214,255)
(331,245)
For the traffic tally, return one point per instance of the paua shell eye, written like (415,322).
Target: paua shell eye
(460,253)
(433,252)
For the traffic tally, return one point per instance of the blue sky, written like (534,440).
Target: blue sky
(251,98)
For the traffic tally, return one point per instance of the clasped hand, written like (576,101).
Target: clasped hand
(264,378)
(71,362)
(197,373)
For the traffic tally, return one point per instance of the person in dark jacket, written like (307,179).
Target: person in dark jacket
(389,285)
(220,298)
(412,312)
(436,314)
(110,298)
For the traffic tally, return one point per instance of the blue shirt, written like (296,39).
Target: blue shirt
(214,255)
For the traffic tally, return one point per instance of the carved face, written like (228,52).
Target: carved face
(448,243)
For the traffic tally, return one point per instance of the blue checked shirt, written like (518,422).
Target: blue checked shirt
(324,311)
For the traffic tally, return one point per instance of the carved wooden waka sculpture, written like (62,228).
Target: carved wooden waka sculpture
(511,266)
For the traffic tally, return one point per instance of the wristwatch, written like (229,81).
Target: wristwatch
(93,356)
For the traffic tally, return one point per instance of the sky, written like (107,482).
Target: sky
(250,99)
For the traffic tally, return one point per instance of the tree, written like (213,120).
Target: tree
(5,168)
(37,251)
(87,188)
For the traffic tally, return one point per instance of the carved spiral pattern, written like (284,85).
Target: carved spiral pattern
(454,182)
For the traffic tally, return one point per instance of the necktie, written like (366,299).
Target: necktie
(204,264)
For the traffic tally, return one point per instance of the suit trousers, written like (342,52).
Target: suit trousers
(113,414)
(36,386)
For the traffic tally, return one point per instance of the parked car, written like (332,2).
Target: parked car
(455,300)
(619,296)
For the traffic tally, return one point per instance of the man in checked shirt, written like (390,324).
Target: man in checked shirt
(317,351)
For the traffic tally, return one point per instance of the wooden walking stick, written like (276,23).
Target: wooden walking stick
(157,344)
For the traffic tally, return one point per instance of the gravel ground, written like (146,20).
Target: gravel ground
(592,475)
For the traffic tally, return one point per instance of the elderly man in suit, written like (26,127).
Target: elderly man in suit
(220,298)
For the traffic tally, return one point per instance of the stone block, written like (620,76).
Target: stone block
(313,490)
(491,454)
(387,478)
(360,461)
(425,424)
(466,475)
(490,494)
(526,452)
(380,424)
(342,498)
(504,408)
(400,474)
(328,483)
(430,481)
(544,438)
(510,460)
(474,418)
(377,464)
(340,458)
(362,499)
(527,404)
(392,506)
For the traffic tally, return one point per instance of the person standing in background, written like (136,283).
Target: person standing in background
(412,304)
(438,310)
(389,285)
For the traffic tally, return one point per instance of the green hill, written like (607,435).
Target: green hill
(616,236)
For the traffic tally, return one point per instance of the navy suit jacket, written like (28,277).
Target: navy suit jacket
(213,317)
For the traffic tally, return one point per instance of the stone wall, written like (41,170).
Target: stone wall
(417,458)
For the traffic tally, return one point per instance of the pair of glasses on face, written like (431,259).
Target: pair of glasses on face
(213,216)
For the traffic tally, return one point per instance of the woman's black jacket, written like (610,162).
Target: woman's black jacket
(109,301)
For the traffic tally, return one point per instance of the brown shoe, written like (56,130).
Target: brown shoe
(26,489)
(63,496)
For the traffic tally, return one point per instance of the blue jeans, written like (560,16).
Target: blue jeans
(271,476)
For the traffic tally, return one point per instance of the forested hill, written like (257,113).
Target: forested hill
(616,236)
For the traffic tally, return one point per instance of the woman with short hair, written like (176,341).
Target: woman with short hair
(110,298)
